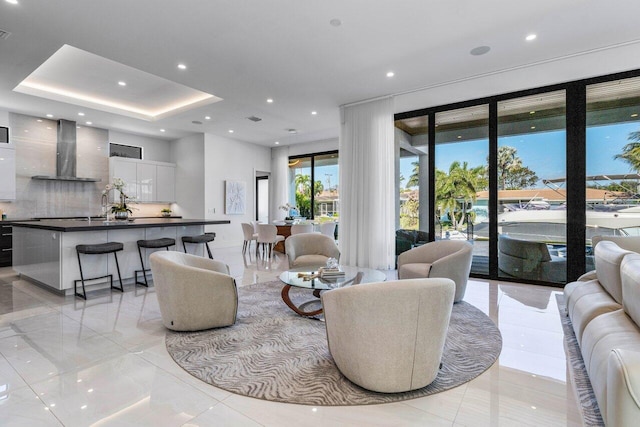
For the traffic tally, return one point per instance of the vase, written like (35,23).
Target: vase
(121,215)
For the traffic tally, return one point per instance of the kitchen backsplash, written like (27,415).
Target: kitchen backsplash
(35,144)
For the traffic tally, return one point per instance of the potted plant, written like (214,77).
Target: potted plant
(119,210)
(287,208)
(165,212)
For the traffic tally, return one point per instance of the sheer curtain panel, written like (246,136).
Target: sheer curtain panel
(367,194)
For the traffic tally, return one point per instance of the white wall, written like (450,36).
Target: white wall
(313,147)
(188,155)
(4,118)
(152,148)
(227,159)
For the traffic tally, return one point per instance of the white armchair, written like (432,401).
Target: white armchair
(310,250)
(444,258)
(194,293)
(389,336)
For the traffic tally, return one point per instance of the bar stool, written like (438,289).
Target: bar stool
(203,238)
(164,242)
(97,249)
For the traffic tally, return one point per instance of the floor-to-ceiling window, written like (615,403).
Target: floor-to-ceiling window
(613,160)
(313,186)
(532,195)
(540,149)
(461,174)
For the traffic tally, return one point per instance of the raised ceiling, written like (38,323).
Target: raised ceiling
(246,52)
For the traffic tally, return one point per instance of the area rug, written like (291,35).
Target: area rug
(272,353)
(587,403)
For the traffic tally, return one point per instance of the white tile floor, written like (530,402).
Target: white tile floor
(103,362)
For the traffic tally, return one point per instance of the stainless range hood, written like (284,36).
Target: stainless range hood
(66,155)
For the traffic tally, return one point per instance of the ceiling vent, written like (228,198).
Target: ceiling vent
(254,119)
(4,34)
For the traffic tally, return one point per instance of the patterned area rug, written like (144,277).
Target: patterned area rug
(587,403)
(272,353)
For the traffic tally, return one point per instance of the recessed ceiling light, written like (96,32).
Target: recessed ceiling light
(26,130)
(81,114)
(40,120)
(77,127)
(480,50)
(12,1)
(230,130)
(530,37)
(532,112)
(182,66)
(49,127)
(50,115)
(314,113)
(277,142)
(121,83)
(335,22)
(533,127)
(634,115)
(270,101)
(391,74)
(292,131)
(89,123)
(162,130)
(459,136)
(207,117)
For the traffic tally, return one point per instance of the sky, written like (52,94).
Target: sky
(542,152)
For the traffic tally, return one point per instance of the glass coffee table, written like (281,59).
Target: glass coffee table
(352,276)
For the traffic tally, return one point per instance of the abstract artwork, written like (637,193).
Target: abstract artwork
(235,197)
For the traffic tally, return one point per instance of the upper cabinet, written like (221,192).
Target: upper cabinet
(147,181)
(7,173)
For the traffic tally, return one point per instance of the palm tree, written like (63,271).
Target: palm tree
(507,161)
(631,151)
(460,184)
(414,179)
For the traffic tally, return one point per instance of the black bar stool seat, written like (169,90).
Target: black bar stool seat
(163,242)
(97,249)
(201,239)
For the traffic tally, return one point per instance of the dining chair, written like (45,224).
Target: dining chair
(268,235)
(301,228)
(249,236)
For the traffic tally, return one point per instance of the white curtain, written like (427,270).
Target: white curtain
(279,192)
(367,193)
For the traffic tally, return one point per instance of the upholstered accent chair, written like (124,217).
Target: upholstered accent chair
(310,250)
(194,293)
(389,336)
(444,258)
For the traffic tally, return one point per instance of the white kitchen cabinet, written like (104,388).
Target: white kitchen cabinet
(126,170)
(146,182)
(7,173)
(166,183)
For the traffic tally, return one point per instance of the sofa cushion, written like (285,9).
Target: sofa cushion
(606,332)
(608,259)
(630,276)
(414,271)
(588,307)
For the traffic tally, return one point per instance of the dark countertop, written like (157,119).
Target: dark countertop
(71,225)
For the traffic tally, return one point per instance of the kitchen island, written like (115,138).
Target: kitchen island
(44,251)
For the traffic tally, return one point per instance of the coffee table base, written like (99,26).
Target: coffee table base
(298,310)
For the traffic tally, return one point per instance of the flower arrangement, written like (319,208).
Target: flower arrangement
(121,209)
(287,208)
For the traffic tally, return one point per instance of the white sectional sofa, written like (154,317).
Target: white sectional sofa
(605,313)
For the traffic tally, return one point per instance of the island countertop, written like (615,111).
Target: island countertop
(71,225)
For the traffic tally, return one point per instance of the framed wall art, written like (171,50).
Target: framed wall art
(235,197)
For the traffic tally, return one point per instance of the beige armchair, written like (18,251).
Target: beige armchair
(310,250)
(389,336)
(444,258)
(194,293)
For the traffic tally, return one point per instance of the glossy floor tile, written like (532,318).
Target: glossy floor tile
(103,362)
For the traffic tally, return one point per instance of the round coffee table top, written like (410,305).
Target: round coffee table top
(352,276)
